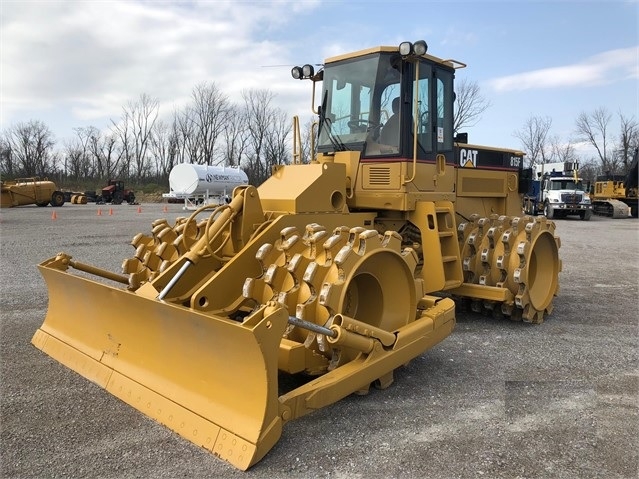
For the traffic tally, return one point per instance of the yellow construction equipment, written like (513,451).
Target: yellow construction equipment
(30,191)
(617,197)
(341,270)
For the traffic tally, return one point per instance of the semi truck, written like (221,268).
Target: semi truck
(557,191)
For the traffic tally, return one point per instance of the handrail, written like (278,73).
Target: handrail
(297,141)
(415,125)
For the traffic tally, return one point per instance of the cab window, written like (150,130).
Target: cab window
(444,130)
(421,100)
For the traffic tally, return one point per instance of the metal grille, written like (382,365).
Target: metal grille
(379,176)
(571,198)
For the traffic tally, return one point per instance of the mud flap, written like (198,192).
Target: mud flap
(210,379)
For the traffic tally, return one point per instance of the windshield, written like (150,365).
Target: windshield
(358,95)
(566,185)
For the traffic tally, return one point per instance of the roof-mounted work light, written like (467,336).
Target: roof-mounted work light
(405,48)
(418,48)
(308,71)
(296,72)
(301,73)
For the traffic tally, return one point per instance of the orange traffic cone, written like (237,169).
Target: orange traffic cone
(54,215)
(110,211)
(139,209)
(165,209)
(99,212)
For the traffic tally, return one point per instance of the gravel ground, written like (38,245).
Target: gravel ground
(496,399)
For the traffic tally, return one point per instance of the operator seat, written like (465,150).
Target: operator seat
(390,132)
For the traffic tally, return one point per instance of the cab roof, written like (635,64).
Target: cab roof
(450,63)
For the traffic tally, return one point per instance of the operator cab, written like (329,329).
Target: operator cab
(361,89)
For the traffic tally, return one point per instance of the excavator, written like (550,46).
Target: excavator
(616,196)
(337,272)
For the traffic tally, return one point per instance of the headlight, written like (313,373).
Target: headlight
(308,71)
(296,72)
(405,48)
(420,47)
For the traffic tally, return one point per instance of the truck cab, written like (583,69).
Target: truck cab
(562,192)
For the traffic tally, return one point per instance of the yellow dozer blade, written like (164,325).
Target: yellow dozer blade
(210,379)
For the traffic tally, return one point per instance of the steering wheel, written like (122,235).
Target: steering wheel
(362,125)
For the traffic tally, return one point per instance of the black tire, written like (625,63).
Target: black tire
(585,215)
(41,204)
(57,198)
(548,211)
(131,199)
(118,198)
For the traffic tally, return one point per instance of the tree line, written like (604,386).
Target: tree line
(140,147)
(613,149)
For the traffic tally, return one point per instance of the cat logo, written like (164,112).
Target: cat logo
(468,158)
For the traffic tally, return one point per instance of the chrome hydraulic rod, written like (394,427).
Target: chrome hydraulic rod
(316,328)
(174,280)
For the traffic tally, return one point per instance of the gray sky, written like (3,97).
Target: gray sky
(76,63)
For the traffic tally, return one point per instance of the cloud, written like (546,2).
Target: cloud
(606,67)
(93,57)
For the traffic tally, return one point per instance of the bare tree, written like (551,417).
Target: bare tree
(562,151)
(592,128)
(209,112)
(258,120)
(183,129)
(200,124)
(163,149)
(628,140)
(534,138)
(235,136)
(470,104)
(268,135)
(105,151)
(276,146)
(74,157)
(589,170)
(79,163)
(6,157)
(134,131)
(30,147)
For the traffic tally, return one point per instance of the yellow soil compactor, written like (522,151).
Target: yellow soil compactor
(340,270)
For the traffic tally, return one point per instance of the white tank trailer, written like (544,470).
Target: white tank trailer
(203,184)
